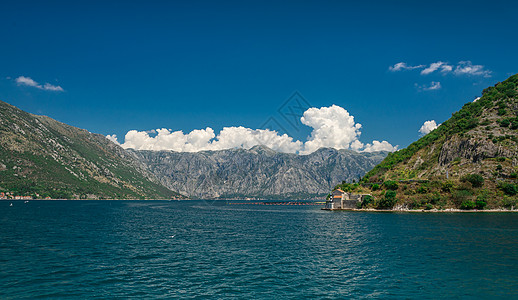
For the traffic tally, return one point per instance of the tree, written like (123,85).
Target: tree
(476,180)
(389,200)
(509,188)
(391,185)
(368,199)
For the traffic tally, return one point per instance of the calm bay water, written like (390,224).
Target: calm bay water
(198,249)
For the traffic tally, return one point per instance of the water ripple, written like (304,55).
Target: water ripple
(161,249)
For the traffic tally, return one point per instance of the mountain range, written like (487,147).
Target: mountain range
(258,172)
(41,157)
(469,161)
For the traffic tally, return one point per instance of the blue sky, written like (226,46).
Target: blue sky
(185,65)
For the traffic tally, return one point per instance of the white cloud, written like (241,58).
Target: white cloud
(205,139)
(379,146)
(434,85)
(27,81)
(50,87)
(22,80)
(332,127)
(241,137)
(427,127)
(403,66)
(444,67)
(113,138)
(468,68)
(462,68)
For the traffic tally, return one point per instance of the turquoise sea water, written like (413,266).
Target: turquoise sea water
(199,249)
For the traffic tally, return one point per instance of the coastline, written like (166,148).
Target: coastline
(395,210)
(435,210)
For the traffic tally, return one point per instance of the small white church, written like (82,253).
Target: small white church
(343,200)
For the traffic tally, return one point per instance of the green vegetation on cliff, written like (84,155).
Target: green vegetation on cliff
(41,157)
(469,162)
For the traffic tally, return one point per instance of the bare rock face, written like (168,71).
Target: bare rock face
(259,172)
(472,149)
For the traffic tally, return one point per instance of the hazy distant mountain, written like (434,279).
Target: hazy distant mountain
(39,155)
(259,172)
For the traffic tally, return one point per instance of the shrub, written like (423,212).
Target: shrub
(414,204)
(368,199)
(391,185)
(499,167)
(501,112)
(459,196)
(448,186)
(467,204)
(508,202)
(428,206)
(476,180)
(509,188)
(480,204)
(435,198)
(388,201)
(375,187)
(504,123)
(513,175)
(422,190)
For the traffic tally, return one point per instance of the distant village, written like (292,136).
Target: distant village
(11,196)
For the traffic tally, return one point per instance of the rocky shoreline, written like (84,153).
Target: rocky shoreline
(435,210)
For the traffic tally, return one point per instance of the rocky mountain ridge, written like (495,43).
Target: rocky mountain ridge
(258,172)
(42,157)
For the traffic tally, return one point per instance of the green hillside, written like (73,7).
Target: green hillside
(469,161)
(45,158)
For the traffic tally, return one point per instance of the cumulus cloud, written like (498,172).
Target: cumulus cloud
(332,127)
(403,66)
(27,81)
(427,127)
(113,138)
(468,68)
(379,146)
(206,139)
